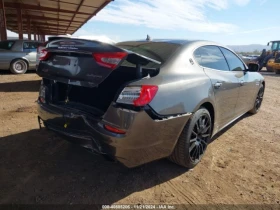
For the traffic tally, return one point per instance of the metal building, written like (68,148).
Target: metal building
(46,17)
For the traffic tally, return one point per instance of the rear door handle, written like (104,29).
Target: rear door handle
(217,85)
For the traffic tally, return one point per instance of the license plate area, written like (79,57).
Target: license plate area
(61,60)
(65,65)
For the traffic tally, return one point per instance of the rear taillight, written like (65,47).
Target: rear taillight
(138,96)
(42,94)
(113,129)
(109,60)
(43,54)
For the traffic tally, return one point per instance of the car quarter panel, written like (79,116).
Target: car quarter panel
(5,59)
(183,86)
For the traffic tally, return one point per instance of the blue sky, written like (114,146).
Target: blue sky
(225,21)
(230,22)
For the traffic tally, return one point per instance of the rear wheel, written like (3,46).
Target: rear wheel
(277,71)
(18,66)
(258,101)
(193,140)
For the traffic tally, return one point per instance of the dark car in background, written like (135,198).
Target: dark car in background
(18,55)
(140,101)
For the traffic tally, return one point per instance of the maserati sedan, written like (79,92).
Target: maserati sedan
(140,101)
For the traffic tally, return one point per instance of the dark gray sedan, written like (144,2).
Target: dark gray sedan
(145,100)
(18,55)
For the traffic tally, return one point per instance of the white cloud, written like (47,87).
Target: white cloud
(91,35)
(167,14)
(101,38)
(242,2)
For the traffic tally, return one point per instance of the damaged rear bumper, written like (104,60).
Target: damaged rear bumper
(145,139)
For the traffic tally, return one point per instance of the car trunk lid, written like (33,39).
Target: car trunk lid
(85,63)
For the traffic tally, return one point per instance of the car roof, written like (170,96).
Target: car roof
(174,41)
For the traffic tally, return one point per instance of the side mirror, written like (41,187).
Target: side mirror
(253,67)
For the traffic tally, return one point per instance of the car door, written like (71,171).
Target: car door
(225,83)
(247,80)
(6,55)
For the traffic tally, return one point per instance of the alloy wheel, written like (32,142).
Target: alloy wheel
(200,136)
(259,99)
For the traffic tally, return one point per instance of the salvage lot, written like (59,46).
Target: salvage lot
(242,165)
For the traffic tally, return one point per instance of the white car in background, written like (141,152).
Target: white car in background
(18,55)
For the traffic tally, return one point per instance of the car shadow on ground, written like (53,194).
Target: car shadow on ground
(7,72)
(39,167)
(220,133)
(21,86)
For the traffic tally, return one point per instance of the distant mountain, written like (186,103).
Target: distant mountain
(248,48)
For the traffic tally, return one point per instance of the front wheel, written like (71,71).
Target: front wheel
(258,101)
(193,140)
(18,66)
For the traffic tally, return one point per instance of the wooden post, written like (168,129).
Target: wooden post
(34,28)
(19,18)
(3,26)
(28,28)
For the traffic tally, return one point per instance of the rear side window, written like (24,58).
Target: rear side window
(30,46)
(6,45)
(211,57)
(235,64)
(160,51)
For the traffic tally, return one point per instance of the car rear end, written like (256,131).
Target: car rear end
(41,47)
(98,96)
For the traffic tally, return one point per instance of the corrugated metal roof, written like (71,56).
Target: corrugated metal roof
(51,17)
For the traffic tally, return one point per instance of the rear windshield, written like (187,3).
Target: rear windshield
(6,45)
(159,51)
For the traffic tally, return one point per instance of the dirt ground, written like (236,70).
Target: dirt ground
(241,166)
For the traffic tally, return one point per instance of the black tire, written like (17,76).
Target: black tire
(277,71)
(258,101)
(192,143)
(269,69)
(18,66)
